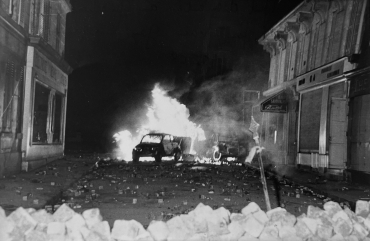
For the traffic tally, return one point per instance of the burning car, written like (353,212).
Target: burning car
(158,145)
(225,149)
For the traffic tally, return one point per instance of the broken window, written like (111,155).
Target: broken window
(47,116)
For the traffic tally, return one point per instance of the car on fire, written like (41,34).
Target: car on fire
(158,145)
(225,149)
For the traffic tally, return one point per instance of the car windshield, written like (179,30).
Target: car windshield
(152,139)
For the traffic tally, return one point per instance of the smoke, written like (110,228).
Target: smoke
(218,103)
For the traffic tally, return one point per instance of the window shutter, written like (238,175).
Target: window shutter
(58,33)
(353,27)
(8,88)
(22,12)
(46,20)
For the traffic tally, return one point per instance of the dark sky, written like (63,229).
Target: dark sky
(120,48)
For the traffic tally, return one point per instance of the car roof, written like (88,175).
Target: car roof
(156,133)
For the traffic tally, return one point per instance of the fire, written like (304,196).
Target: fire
(166,115)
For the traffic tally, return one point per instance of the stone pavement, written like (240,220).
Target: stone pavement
(45,185)
(39,187)
(336,190)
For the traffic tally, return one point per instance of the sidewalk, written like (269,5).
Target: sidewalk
(44,185)
(338,191)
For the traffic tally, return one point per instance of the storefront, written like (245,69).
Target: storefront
(45,110)
(276,115)
(359,123)
(322,140)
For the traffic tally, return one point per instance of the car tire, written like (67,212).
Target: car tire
(158,158)
(216,156)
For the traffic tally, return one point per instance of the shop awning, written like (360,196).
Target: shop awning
(277,103)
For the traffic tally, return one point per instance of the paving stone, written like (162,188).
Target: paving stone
(158,230)
(75,223)
(188,223)
(75,235)
(341,214)
(261,216)
(250,208)
(22,221)
(362,208)
(248,237)
(332,208)
(359,231)
(234,217)
(42,216)
(2,213)
(314,212)
(270,232)
(337,237)
(94,236)
(302,230)
(63,213)
(177,229)
(312,224)
(235,231)
(128,230)
(275,213)
(343,226)
(201,214)
(324,231)
(56,228)
(92,216)
(103,229)
(5,228)
(325,219)
(286,231)
(35,235)
(252,226)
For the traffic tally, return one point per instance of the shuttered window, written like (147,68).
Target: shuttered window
(58,33)
(310,121)
(8,93)
(353,27)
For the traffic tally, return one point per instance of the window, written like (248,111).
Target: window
(310,121)
(58,33)
(47,116)
(40,18)
(8,93)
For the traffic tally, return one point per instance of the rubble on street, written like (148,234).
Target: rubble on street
(99,198)
(203,223)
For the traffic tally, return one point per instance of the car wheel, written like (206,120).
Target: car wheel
(158,158)
(216,155)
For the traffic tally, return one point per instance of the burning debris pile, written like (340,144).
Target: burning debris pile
(202,223)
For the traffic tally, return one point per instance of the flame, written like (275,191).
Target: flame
(165,115)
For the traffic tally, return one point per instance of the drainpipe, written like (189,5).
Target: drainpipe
(358,41)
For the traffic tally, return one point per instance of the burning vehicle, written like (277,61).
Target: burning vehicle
(225,149)
(158,145)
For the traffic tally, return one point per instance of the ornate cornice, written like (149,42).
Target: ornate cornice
(271,47)
(281,39)
(292,28)
(305,20)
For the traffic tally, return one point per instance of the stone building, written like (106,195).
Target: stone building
(33,82)
(314,51)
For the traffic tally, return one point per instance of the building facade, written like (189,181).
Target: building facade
(314,50)
(33,82)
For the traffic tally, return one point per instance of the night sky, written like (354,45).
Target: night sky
(120,48)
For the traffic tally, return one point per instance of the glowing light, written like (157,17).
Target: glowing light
(165,115)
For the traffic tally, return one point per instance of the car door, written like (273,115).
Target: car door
(167,144)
